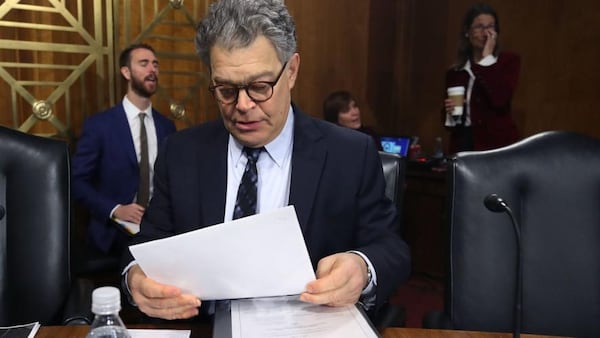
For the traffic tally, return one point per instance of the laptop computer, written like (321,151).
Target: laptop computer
(395,144)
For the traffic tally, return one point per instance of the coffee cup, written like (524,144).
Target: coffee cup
(457,95)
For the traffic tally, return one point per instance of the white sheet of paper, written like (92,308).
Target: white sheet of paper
(289,318)
(159,333)
(262,255)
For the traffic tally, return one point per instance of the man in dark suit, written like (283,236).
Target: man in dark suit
(332,175)
(106,164)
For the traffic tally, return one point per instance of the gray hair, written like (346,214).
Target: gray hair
(236,24)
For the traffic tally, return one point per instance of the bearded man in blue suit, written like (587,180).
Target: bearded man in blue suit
(106,164)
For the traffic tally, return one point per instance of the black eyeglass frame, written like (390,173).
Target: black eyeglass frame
(213,88)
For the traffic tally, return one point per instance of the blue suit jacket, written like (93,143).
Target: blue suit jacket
(105,170)
(337,188)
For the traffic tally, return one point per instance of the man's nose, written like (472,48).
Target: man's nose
(244,101)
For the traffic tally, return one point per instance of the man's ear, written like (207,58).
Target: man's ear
(126,72)
(293,67)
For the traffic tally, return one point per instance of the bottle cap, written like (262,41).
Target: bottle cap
(106,300)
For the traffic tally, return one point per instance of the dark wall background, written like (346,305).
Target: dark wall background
(392,54)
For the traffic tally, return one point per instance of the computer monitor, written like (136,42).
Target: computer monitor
(395,144)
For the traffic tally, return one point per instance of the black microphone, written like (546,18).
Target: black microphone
(496,204)
(2,212)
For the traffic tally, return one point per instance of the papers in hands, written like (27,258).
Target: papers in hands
(262,255)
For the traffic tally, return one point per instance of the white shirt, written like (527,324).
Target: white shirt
(274,164)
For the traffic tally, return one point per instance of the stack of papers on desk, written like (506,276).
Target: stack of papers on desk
(287,317)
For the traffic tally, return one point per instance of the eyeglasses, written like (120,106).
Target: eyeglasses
(482,28)
(258,91)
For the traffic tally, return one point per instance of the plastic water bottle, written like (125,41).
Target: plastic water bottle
(106,304)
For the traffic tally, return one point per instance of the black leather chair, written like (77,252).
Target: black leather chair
(551,181)
(35,280)
(394,170)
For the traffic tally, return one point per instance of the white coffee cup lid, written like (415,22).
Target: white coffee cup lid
(456,90)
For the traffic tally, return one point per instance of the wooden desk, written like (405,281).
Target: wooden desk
(426,333)
(80,331)
(197,332)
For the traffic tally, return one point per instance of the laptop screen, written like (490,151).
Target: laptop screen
(395,144)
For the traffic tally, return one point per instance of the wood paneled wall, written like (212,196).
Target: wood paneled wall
(392,54)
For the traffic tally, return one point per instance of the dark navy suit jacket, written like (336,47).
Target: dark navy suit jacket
(337,188)
(105,170)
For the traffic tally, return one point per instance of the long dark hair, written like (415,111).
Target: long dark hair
(465,50)
(335,103)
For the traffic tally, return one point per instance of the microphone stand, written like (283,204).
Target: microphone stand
(497,204)
(519,291)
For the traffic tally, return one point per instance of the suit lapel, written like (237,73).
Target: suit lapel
(161,133)
(212,157)
(308,159)
(123,133)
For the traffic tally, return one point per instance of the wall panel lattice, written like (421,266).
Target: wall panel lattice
(56,63)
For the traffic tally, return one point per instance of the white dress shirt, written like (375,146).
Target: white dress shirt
(274,166)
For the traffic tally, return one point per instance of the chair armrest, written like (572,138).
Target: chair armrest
(78,308)
(389,315)
(437,320)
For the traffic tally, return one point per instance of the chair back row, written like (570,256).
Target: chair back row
(551,181)
(34,232)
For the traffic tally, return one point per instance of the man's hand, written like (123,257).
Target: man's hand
(130,213)
(159,300)
(340,280)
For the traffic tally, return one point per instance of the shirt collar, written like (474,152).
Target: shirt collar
(277,149)
(132,112)
(486,61)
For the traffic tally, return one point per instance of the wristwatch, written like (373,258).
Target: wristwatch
(369,277)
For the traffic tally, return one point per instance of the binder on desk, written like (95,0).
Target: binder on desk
(286,317)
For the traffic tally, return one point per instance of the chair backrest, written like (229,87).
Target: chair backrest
(394,171)
(551,181)
(34,232)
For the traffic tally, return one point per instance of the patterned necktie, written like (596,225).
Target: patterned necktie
(144,186)
(245,204)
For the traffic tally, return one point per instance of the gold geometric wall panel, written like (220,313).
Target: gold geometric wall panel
(169,26)
(56,63)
